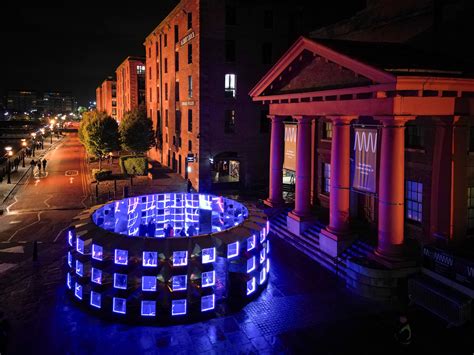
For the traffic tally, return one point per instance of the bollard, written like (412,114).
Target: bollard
(125,191)
(35,251)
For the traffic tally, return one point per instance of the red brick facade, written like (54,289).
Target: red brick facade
(130,85)
(106,97)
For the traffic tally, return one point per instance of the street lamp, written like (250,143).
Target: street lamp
(23,144)
(34,143)
(52,121)
(9,154)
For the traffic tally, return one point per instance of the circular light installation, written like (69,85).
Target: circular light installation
(172,256)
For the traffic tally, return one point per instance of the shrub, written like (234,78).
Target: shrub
(101,174)
(134,165)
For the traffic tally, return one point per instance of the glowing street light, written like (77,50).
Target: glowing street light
(9,154)
(23,144)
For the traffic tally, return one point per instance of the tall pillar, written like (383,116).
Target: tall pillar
(391,189)
(303,169)
(277,143)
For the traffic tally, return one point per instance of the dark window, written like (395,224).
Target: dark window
(165,40)
(470,208)
(190,86)
(190,146)
(230,50)
(166,119)
(414,137)
(166,91)
(190,120)
(230,16)
(156,49)
(176,91)
(268,19)
(177,121)
(176,61)
(229,125)
(471,139)
(414,200)
(149,52)
(149,73)
(190,53)
(158,120)
(190,20)
(264,122)
(176,34)
(327,130)
(151,97)
(267,53)
(326,179)
(166,65)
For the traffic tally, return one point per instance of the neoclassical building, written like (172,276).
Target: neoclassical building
(384,151)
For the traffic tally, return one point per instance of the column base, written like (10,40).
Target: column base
(298,224)
(274,204)
(392,261)
(333,243)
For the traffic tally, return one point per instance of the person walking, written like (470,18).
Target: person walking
(39,165)
(44,164)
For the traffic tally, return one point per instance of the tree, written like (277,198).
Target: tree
(99,134)
(136,131)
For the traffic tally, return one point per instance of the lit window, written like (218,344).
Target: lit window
(326,178)
(327,130)
(96,299)
(79,268)
(251,243)
(121,257)
(190,86)
(150,258)
(263,275)
(96,275)
(69,259)
(179,282)
(149,283)
(208,278)
(414,200)
(232,250)
(119,305)
(230,85)
(97,252)
(78,291)
(140,69)
(262,256)
(70,238)
(120,281)
(178,307)
(207,303)
(229,121)
(470,207)
(180,258)
(208,255)
(68,281)
(251,286)
(148,308)
(251,264)
(80,245)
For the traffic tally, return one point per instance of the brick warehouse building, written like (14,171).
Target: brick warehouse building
(106,97)
(202,60)
(384,136)
(130,85)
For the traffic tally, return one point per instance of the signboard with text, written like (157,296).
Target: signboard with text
(365,159)
(289,160)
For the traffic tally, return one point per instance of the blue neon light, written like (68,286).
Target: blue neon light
(120,281)
(79,268)
(180,258)
(121,257)
(148,308)
(268,266)
(268,247)
(208,255)
(179,282)
(251,264)
(232,250)
(262,235)
(70,238)
(80,246)
(68,281)
(97,252)
(69,259)
(263,275)
(78,291)
(251,286)
(262,255)
(150,259)
(149,283)
(96,275)
(178,307)
(251,243)
(96,299)
(208,303)
(119,305)
(208,279)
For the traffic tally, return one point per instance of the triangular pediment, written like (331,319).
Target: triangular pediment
(309,66)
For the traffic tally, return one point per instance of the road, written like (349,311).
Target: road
(43,206)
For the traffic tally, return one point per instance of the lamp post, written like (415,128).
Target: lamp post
(23,144)
(51,127)
(34,143)
(9,154)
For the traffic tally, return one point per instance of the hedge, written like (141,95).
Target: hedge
(101,175)
(134,165)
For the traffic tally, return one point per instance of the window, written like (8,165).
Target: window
(230,16)
(180,258)
(179,282)
(149,73)
(140,69)
(177,124)
(156,49)
(208,278)
(166,117)
(166,91)
(251,242)
(230,85)
(414,200)
(229,125)
(176,61)
(149,52)
(190,120)
(251,286)
(229,50)
(149,283)
(178,307)
(326,178)
(190,146)
(190,53)
(119,305)
(208,255)
(176,91)
(79,268)
(148,308)
(207,303)
(264,122)
(190,20)
(150,97)
(165,40)
(166,65)
(96,299)
(470,208)
(414,137)
(150,258)
(266,53)
(121,257)
(96,276)
(251,264)
(80,246)
(176,34)
(327,130)
(268,19)
(232,250)
(120,281)
(190,86)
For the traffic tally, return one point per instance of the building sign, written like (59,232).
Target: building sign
(187,38)
(187,103)
(365,153)
(289,161)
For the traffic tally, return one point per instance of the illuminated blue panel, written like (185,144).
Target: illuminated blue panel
(251,243)
(69,259)
(120,281)
(208,255)
(263,255)
(263,275)
(207,303)
(79,268)
(251,264)
(263,235)
(178,307)
(251,286)
(96,299)
(68,281)
(119,305)
(97,252)
(121,257)
(268,227)
(268,266)
(148,308)
(180,258)
(96,275)
(179,282)
(150,259)
(268,247)
(78,291)
(208,278)
(70,238)
(149,283)
(80,245)
(232,250)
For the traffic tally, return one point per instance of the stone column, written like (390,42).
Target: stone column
(277,142)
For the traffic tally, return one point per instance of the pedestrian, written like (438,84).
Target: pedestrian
(182,233)
(39,165)
(44,164)
(171,231)
(190,186)
(32,163)
(191,230)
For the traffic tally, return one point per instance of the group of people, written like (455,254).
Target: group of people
(36,166)
(170,232)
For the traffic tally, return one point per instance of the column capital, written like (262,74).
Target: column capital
(394,121)
(276,118)
(303,119)
(341,120)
